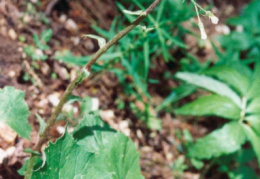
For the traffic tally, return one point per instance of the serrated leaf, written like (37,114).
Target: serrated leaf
(101,40)
(67,159)
(230,76)
(223,141)
(253,90)
(211,105)
(210,84)
(254,140)
(14,111)
(254,106)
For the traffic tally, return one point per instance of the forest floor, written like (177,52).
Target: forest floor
(69,20)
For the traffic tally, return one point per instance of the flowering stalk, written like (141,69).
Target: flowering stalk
(209,14)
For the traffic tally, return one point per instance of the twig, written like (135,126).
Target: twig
(33,74)
(87,69)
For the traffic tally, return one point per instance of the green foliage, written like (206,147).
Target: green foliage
(223,141)
(236,165)
(246,38)
(155,37)
(233,98)
(94,151)
(36,52)
(14,111)
(211,105)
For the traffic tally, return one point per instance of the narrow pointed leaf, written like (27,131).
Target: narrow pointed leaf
(210,84)
(254,140)
(41,122)
(101,40)
(253,90)
(230,76)
(254,122)
(211,105)
(223,141)
(14,111)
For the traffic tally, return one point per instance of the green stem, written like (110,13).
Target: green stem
(87,69)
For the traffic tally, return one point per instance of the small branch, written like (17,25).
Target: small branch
(45,136)
(33,74)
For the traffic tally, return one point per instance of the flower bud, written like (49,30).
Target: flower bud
(212,17)
(202,31)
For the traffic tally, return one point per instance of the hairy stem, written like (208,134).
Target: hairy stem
(45,136)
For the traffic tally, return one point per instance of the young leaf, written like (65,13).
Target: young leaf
(46,35)
(14,111)
(223,141)
(230,76)
(138,13)
(254,140)
(211,105)
(253,90)
(210,84)
(41,122)
(101,40)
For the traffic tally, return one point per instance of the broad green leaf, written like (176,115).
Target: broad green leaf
(253,90)
(210,84)
(254,122)
(254,106)
(14,111)
(68,159)
(118,157)
(254,140)
(65,159)
(211,105)
(230,76)
(93,133)
(223,141)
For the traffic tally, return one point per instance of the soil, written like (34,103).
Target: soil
(158,149)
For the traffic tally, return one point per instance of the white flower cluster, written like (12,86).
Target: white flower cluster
(209,14)
(213,19)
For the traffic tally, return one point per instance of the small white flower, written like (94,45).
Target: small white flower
(202,31)
(214,19)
